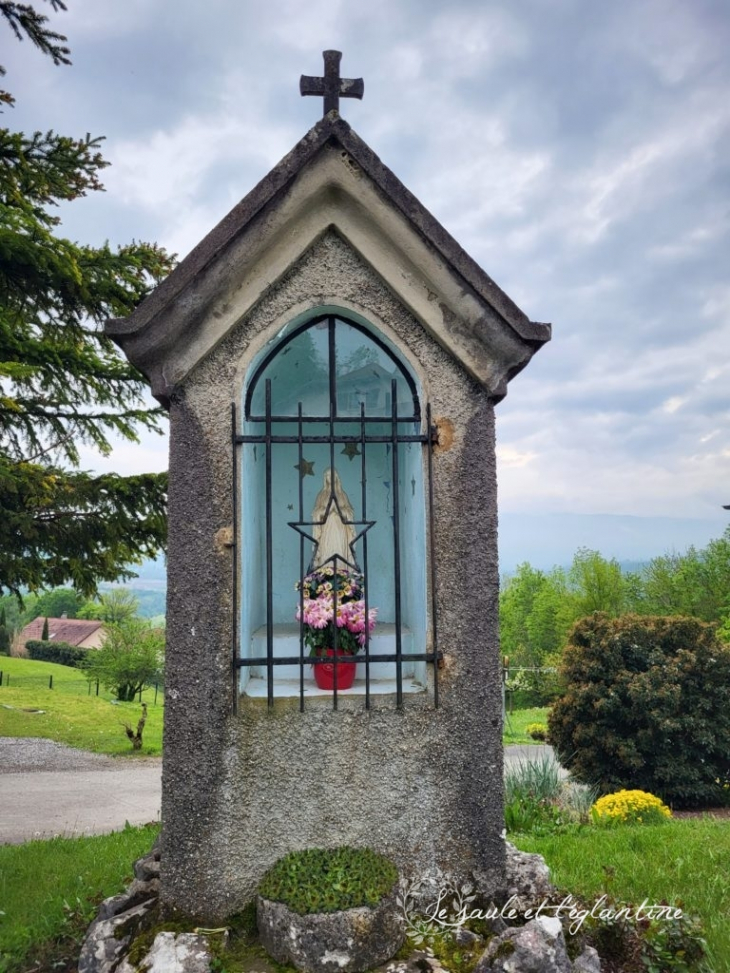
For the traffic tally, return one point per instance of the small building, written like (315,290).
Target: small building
(80,632)
(331,360)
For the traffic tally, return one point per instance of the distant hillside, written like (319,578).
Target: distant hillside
(547,540)
(151,595)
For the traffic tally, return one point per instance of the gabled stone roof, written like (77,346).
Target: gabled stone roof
(330,180)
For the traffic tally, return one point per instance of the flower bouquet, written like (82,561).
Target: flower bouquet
(332,610)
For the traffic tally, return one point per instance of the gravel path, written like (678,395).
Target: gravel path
(25,755)
(49,789)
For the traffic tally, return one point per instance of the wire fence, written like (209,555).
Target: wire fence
(151,693)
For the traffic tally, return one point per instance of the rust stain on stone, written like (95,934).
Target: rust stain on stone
(223,539)
(446,435)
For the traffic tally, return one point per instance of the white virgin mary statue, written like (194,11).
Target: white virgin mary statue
(330,516)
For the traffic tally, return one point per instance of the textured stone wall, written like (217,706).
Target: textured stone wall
(423,785)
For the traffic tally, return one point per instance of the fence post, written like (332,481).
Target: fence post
(50,681)
(97,687)
(155,692)
(1,677)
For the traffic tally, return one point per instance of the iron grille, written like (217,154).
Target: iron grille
(270,430)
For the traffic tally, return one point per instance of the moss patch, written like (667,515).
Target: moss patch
(329,879)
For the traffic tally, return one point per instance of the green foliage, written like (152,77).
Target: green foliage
(61,653)
(115,606)
(646,707)
(597,583)
(537,731)
(44,633)
(329,879)
(130,657)
(531,792)
(4,634)
(62,381)
(25,20)
(71,712)
(50,891)
(53,604)
(695,584)
(515,728)
(656,864)
(536,611)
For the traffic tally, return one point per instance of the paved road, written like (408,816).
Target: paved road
(47,789)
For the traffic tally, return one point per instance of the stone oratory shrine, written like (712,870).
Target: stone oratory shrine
(331,359)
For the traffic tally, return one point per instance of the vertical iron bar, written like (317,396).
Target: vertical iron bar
(333,365)
(432,557)
(333,412)
(301,563)
(334,627)
(364,504)
(269,559)
(396,547)
(235,674)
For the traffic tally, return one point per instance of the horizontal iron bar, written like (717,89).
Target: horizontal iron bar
(402,438)
(358,419)
(294,660)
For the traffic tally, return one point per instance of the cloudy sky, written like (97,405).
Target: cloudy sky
(579,151)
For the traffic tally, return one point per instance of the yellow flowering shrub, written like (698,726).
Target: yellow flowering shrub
(630,807)
(538,731)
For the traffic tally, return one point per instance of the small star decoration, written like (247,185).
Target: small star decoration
(305,468)
(351,451)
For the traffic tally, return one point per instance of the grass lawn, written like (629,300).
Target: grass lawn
(49,891)
(686,860)
(514,725)
(69,714)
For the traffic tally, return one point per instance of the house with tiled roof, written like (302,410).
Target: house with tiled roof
(81,632)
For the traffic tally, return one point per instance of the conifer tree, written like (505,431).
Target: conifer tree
(44,633)
(62,382)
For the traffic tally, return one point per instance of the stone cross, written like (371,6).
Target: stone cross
(332,87)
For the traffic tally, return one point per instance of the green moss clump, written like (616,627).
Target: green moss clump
(329,879)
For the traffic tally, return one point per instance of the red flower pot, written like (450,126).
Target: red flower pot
(327,673)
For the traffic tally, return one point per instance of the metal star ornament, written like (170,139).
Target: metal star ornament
(351,451)
(305,467)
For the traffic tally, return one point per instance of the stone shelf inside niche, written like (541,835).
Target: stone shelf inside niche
(287,681)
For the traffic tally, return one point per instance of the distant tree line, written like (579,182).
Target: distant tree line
(115,605)
(539,608)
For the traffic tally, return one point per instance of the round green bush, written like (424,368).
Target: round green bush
(329,879)
(647,707)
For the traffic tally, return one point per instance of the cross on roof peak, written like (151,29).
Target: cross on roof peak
(331,87)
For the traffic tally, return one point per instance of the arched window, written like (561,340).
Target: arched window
(332,471)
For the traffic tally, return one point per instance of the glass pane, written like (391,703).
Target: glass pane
(298,373)
(364,374)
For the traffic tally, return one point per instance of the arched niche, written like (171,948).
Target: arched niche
(332,392)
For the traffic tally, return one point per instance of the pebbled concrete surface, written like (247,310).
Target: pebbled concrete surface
(48,789)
